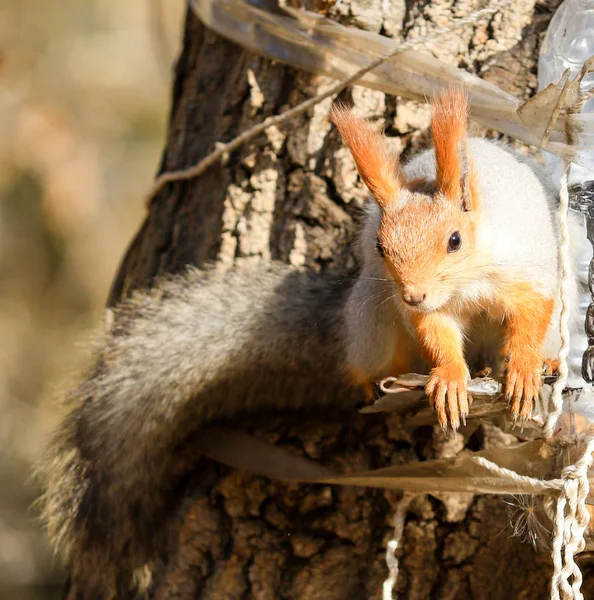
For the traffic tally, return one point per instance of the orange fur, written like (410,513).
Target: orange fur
(456,178)
(360,379)
(414,238)
(550,366)
(472,186)
(526,315)
(440,338)
(401,361)
(527,319)
(377,165)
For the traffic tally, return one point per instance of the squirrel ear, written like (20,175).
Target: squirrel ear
(377,164)
(456,178)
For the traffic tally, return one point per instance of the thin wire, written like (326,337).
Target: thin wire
(222,150)
(393,544)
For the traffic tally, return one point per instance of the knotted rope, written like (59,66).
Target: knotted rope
(571,516)
(570,522)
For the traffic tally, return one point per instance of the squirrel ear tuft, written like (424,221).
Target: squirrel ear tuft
(456,178)
(377,164)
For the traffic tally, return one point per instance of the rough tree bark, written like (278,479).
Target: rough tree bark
(293,195)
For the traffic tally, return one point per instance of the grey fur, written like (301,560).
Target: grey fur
(198,347)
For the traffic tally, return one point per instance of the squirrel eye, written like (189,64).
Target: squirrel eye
(379,248)
(454,242)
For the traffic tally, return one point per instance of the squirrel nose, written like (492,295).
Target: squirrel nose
(413,298)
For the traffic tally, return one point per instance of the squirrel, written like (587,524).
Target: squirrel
(459,245)
(462,244)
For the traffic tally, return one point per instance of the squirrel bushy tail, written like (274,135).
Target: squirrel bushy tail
(197,347)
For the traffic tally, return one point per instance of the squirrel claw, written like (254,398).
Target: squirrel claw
(550,366)
(522,389)
(446,389)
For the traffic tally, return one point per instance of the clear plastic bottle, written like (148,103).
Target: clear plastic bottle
(568,43)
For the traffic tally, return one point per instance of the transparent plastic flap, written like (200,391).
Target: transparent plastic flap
(309,41)
(490,471)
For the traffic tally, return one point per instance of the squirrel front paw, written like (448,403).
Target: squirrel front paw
(446,389)
(522,383)
(550,366)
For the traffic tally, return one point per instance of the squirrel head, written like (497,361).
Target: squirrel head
(427,230)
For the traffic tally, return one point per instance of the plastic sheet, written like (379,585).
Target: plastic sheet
(523,468)
(317,44)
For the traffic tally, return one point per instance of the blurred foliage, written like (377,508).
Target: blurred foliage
(84,90)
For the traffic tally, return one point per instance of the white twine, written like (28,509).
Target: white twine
(393,544)
(556,400)
(539,486)
(571,515)
(571,520)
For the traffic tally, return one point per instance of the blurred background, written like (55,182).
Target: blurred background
(84,98)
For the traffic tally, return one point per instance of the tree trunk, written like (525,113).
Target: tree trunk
(293,196)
